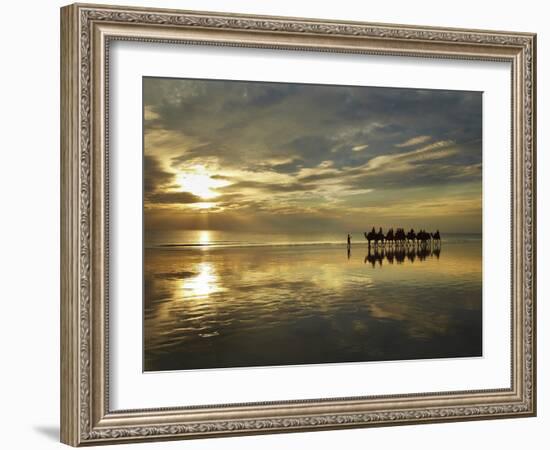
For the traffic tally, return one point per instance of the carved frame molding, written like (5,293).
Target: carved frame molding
(86,32)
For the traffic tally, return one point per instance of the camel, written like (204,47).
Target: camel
(423,238)
(370,236)
(436,238)
(389,237)
(380,237)
(399,238)
(374,236)
(411,237)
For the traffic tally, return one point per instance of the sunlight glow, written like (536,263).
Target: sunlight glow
(204,237)
(200,183)
(202,205)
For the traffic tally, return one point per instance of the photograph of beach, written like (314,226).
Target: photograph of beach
(289,224)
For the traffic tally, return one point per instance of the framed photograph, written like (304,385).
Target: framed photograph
(275,224)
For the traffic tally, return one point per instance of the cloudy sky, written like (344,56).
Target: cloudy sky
(285,158)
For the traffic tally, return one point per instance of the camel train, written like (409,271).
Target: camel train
(420,239)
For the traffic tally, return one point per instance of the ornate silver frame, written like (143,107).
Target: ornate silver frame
(86,32)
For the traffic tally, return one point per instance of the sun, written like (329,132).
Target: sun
(200,183)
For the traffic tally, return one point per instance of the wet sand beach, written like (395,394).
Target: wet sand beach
(231,305)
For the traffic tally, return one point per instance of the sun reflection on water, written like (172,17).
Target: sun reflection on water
(204,283)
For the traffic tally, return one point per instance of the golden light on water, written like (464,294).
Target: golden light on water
(204,283)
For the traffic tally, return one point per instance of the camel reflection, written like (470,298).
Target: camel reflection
(399,255)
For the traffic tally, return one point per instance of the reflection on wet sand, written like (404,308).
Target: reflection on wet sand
(400,254)
(235,307)
(202,283)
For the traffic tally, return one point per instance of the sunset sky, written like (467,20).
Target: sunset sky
(299,158)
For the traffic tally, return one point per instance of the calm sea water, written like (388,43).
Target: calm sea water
(216,300)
